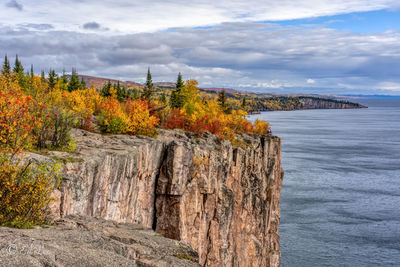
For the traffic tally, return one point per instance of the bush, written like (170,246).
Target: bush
(109,123)
(140,122)
(25,191)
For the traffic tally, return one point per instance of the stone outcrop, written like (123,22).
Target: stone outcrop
(87,241)
(325,103)
(221,200)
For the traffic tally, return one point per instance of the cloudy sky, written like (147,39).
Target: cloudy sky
(287,46)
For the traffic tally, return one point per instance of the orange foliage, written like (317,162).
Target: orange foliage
(140,122)
(16,118)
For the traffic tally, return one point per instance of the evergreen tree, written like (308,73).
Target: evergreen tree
(163,99)
(83,84)
(64,77)
(6,71)
(133,94)
(74,83)
(42,77)
(18,68)
(52,79)
(106,90)
(148,89)
(222,99)
(179,81)
(32,71)
(177,98)
(244,102)
(64,81)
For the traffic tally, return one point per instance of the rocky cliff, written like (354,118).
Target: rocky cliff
(325,103)
(221,200)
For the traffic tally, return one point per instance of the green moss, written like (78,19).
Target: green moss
(67,159)
(184,257)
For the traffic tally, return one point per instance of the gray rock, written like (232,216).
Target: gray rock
(87,241)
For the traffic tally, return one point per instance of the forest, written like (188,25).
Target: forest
(37,113)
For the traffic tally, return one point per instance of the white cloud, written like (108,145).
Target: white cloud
(310,81)
(127,16)
(239,55)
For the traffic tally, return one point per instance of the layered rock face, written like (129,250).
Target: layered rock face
(221,200)
(321,103)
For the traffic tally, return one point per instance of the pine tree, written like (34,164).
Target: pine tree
(177,99)
(148,89)
(222,99)
(74,83)
(6,71)
(18,68)
(52,79)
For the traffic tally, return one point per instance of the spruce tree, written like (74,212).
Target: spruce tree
(179,81)
(177,99)
(42,77)
(163,99)
(32,71)
(244,102)
(64,77)
(18,68)
(74,83)
(19,71)
(83,83)
(106,90)
(52,79)
(148,89)
(6,71)
(222,99)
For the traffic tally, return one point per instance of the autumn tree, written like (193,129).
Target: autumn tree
(6,70)
(149,87)
(74,83)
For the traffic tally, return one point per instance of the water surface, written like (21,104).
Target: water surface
(340,203)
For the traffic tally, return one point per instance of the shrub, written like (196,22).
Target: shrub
(16,120)
(25,192)
(111,123)
(140,122)
(261,127)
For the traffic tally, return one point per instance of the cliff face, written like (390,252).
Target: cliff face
(220,200)
(321,103)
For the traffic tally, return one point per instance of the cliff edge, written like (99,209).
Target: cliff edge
(221,200)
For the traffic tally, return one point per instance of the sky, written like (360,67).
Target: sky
(282,46)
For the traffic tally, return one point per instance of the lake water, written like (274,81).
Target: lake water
(340,203)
